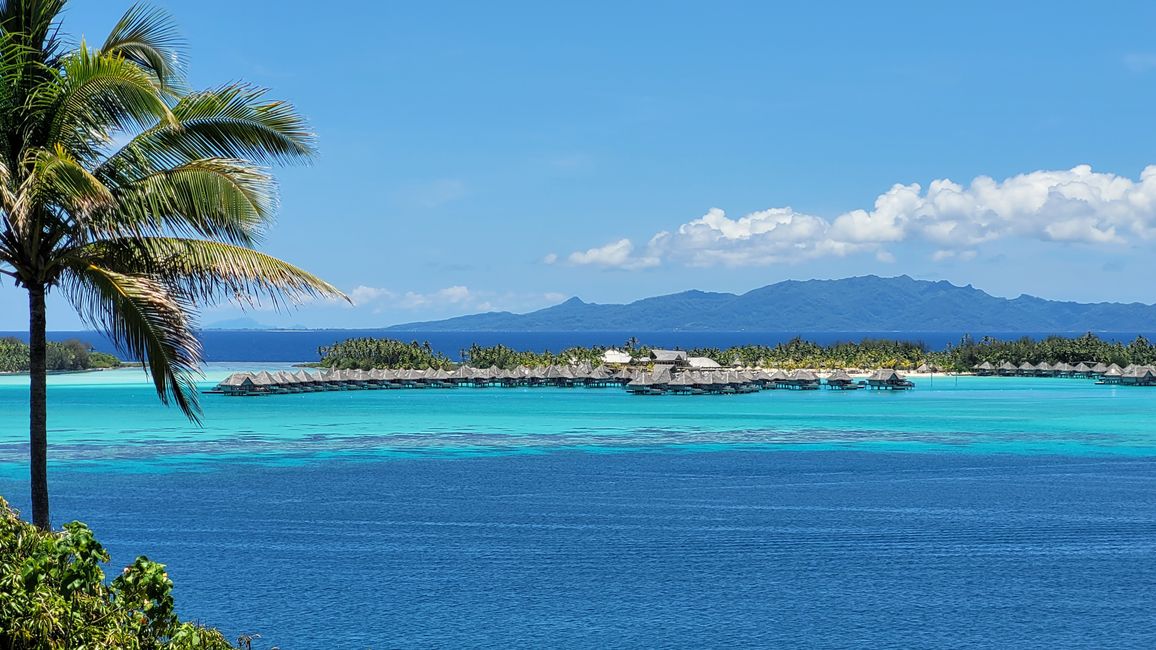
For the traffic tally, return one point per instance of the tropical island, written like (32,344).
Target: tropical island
(964,356)
(63,356)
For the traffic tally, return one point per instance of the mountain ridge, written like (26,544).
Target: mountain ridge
(861,303)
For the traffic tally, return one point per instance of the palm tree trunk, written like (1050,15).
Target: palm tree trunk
(38,401)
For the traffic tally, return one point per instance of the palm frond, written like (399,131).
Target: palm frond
(229,200)
(148,37)
(209,271)
(36,22)
(233,121)
(59,179)
(98,94)
(147,321)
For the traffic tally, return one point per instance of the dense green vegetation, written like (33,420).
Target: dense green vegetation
(65,355)
(366,353)
(506,357)
(962,357)
(53,595)
(1053,349)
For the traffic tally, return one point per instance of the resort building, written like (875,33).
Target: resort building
(616,357)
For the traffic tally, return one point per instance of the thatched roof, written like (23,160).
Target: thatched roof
(667,356)
(886,374)
(986,365)
(237,379)
(839,375)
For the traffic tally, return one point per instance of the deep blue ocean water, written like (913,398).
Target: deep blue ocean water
(290,345)
(970,512)
(720,549)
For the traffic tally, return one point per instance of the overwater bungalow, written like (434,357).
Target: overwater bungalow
(1006,369)
(803,380)
(686,383)
(984,369)
(643,385)
(1113,375)
(888,379)
(1139,376)
(1026,369)
(238,383)
(841,380)
(777,379)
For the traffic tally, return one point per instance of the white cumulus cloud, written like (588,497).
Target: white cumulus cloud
(615,254)
(1074,205)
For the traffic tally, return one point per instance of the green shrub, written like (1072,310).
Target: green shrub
(53,595)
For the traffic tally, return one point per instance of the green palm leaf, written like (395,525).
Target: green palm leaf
(235,121)
(228,200)
(148,321)
(208,271)
(96,95)
(147,36)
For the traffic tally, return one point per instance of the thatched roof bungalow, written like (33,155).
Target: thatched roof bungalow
(888,378)
(840,379)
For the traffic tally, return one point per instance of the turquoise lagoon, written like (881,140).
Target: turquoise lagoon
(980,512)
(113,417)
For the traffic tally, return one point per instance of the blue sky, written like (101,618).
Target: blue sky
(509,155)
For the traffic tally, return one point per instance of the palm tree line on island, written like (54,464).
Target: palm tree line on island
(139,200)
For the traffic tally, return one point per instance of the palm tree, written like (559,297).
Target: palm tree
(135,197)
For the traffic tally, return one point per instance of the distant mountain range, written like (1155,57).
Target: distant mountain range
(860,304)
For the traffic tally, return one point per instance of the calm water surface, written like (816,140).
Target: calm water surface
(969,512)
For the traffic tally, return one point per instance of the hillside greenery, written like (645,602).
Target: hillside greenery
(367,353)
(67,355)
(53,594)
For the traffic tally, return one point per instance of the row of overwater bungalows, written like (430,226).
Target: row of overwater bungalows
(263,383)
(665,381)
(1105,373)
(661,380)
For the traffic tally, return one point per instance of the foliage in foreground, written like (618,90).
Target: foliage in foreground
(53,595)
(367,353)
(72,354)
